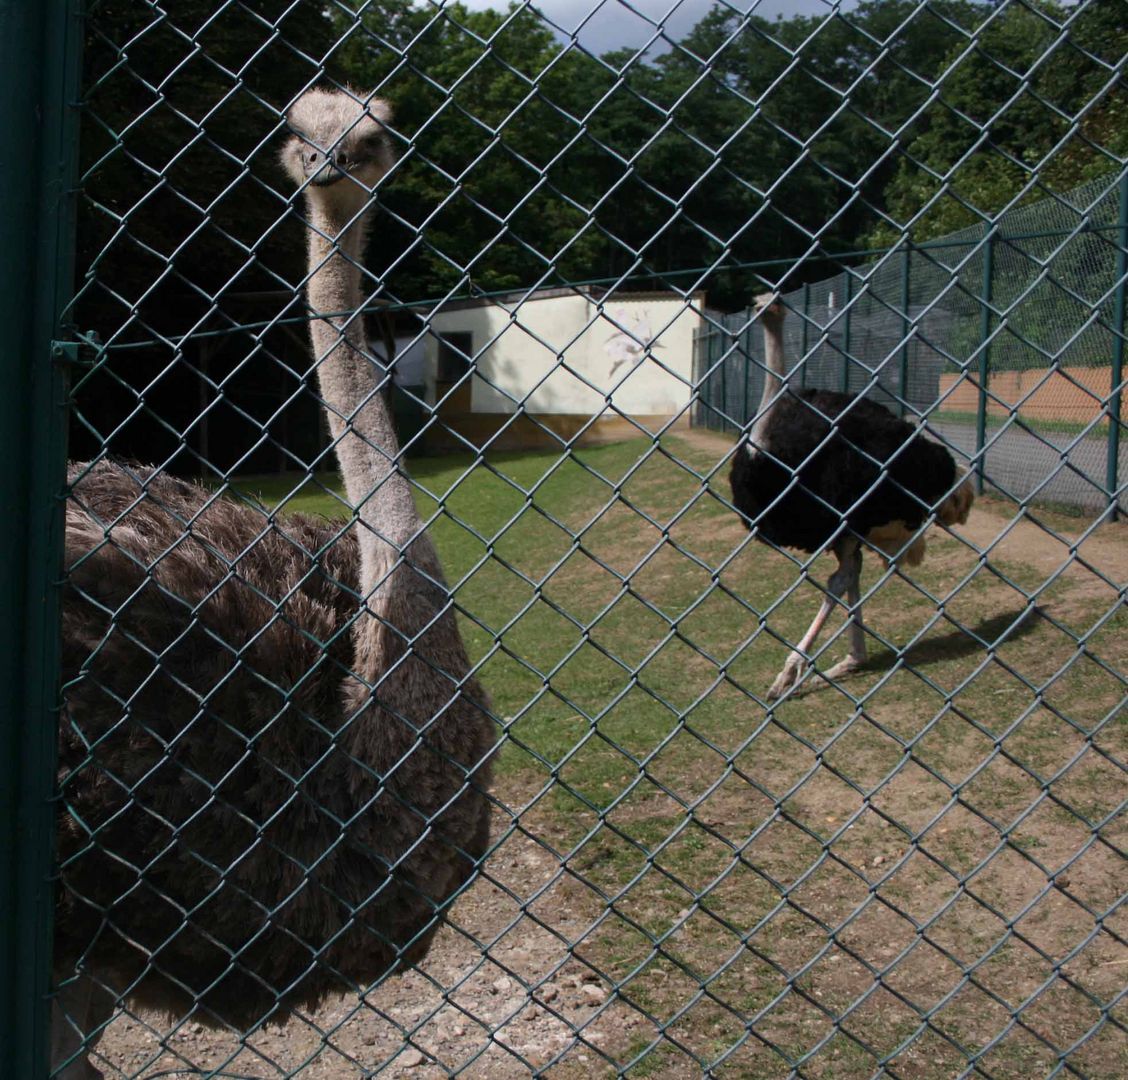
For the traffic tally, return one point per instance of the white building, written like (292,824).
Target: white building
(566,360)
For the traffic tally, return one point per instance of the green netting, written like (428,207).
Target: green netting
(908,330)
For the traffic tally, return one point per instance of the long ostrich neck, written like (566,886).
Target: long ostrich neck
(773,375)
(359,416)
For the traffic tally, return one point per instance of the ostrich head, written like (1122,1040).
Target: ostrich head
(770,308)
(339,147)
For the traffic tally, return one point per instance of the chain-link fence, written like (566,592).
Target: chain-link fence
(1001,338)
(417,713)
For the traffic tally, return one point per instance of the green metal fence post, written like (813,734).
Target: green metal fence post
(39,52)
(806,321)
(846,291)
(726,422)
(903,376)
(1117,373)
(696,413)
(716,421)
(984,358)
(746,368)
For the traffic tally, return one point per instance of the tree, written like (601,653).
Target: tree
(1029,108)
(182,215)
(475,199)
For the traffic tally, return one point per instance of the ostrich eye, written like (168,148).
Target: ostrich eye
(342,158)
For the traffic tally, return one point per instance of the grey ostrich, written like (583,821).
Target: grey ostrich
(273,753)
(822,470)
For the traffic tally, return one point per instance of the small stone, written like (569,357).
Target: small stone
(458,1031)
(594,995)
(369,1038)
(410,1058)
(549,993)
(501,986)
(878,860)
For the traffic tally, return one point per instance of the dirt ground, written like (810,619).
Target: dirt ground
(529,1002)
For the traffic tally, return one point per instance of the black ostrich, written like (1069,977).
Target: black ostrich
(825,470)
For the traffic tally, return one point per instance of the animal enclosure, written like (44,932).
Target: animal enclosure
(346,737)
(1028,396)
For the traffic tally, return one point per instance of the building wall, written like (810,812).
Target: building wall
(1074,393)
(563,355)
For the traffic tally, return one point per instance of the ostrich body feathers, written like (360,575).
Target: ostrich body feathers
(822,463)
(234,831)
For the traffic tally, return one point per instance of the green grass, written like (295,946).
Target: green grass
(628,639)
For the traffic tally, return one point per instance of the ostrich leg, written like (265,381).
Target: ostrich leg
(79,1008)
(856,657)
(845,577)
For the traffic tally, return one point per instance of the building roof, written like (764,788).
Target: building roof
(593,293)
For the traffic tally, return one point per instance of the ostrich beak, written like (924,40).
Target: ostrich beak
(324,170)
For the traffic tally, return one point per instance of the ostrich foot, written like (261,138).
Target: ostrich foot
(843,667)
(80,1007)
(789,677)
(80,1070)
(796,668)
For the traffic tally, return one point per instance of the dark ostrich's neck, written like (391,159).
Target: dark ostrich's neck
(350,379)
(773,375)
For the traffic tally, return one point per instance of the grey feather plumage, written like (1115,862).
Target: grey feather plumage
(273,752)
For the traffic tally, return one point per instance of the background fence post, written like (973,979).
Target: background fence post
(806,321)
(847,284)
(716,346)
(906,322)
(726,413)
(984,358)
(746,368)
(39,66)
(1112,475)
(716,404)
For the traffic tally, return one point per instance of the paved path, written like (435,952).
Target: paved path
(1051,466)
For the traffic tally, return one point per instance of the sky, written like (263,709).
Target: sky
(615,25)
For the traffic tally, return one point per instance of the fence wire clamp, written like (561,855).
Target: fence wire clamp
(85,352)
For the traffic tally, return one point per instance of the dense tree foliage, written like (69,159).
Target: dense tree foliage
(750,150)
(525,160)
(1036,103)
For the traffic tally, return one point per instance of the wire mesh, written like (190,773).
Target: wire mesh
(1047,395)
(295,703)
